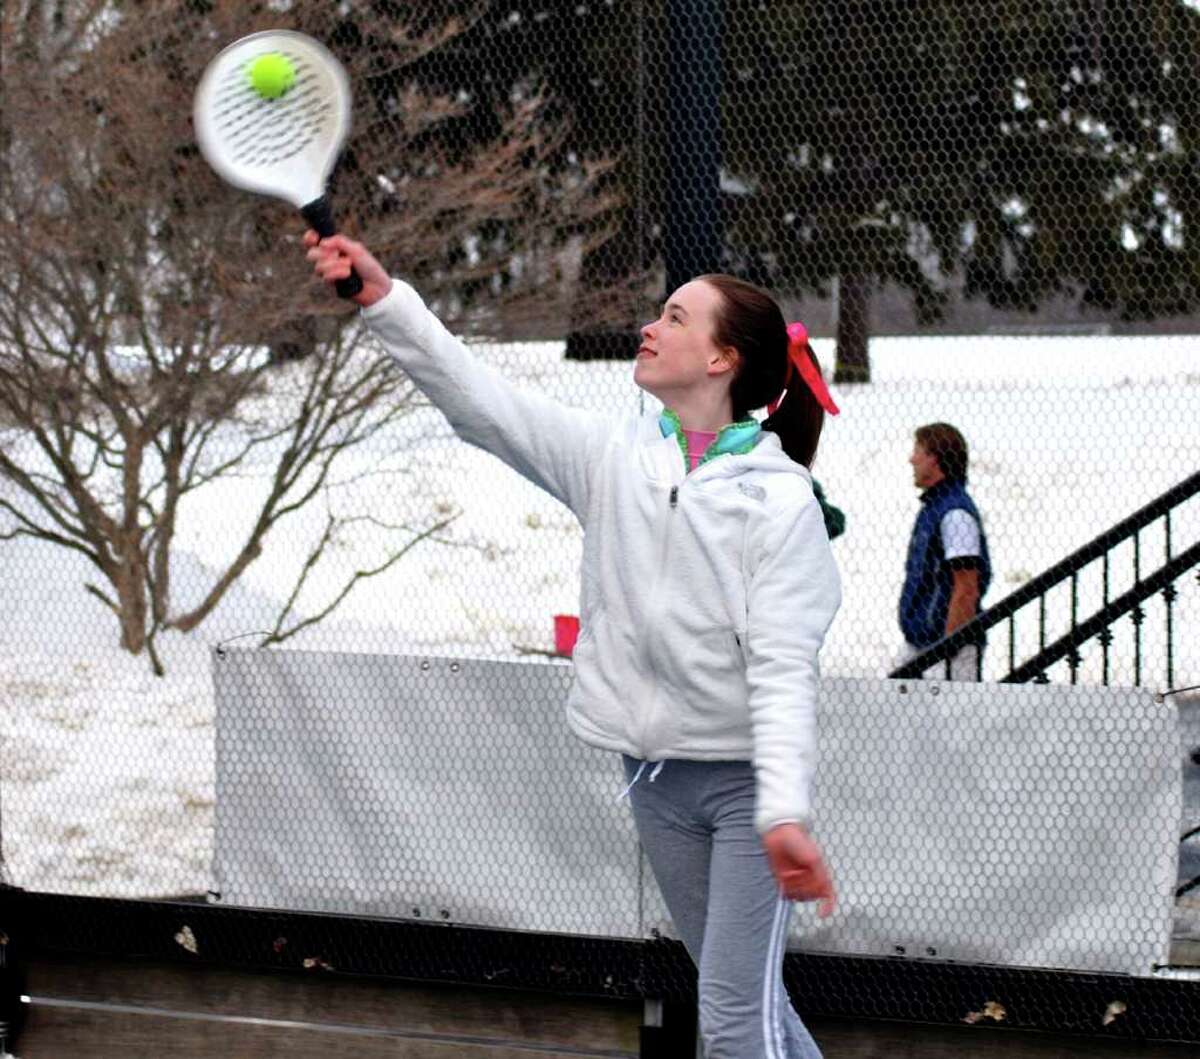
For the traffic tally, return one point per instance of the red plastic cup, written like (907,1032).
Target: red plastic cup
(566,632)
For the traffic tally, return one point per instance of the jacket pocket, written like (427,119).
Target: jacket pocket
(712,693)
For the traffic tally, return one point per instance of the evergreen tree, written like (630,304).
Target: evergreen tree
(1030,147)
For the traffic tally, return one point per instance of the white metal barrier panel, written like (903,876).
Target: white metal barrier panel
(1016,824)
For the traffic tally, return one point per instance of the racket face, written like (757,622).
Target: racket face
(283,147)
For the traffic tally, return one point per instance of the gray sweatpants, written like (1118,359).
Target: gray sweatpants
(695,820)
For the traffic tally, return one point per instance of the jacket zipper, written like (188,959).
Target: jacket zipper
(653,615)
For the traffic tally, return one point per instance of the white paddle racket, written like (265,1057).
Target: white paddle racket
(284,141)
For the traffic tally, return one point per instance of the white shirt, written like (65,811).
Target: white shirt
(960,535)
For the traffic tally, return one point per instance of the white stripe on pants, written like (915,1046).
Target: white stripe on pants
(696,824)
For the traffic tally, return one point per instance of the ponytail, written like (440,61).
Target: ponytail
(798,419)
(751,322)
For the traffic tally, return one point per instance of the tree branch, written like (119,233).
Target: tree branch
(278,634)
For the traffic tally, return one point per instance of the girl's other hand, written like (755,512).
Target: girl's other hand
(799,867)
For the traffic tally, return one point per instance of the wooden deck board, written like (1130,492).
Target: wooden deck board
(52,1033)
(393,1009)
(902,1040)
(129,1009)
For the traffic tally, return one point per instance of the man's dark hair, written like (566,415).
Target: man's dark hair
(947,445)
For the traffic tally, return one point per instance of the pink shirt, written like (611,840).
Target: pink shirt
(697,442)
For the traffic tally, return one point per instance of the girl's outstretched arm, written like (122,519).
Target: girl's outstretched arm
(554,446)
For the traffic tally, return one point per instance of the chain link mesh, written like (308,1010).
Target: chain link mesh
(983,214)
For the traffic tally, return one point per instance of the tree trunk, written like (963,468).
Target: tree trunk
(131,599)
(853,329)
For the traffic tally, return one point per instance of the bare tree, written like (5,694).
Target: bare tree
(140,299)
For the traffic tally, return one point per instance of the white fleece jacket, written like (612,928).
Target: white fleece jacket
(705,596)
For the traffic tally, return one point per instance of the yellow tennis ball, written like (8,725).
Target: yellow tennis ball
(272,74)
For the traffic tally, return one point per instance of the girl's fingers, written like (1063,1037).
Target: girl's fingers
(328,264)
(805,885)
(329,261)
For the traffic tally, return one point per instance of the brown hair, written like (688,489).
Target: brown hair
(946,445)
(750,321)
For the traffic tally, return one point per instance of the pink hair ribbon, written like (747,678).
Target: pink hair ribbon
(800,360)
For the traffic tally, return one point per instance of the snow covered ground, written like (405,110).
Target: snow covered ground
(107,771)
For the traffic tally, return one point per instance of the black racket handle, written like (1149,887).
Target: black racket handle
(319,214)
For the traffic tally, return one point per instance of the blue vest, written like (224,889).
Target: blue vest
(928,581)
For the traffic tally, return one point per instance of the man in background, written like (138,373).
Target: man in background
(947,570)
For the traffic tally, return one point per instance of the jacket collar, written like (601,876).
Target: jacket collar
(734,439)
(946,485)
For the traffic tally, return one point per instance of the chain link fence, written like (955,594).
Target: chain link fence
(983,213)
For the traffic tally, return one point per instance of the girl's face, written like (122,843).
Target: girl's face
(678,354)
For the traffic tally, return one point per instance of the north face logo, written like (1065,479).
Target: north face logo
(754,492)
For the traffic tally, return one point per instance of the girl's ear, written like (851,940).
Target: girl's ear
(725,359)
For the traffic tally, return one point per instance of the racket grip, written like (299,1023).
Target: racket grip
(319,214)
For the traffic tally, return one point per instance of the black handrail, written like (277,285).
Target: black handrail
(1105,617)
(973,631)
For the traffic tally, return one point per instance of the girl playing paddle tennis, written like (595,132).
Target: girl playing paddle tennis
(708,588)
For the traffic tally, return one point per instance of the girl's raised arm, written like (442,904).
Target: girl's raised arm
(556,447)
